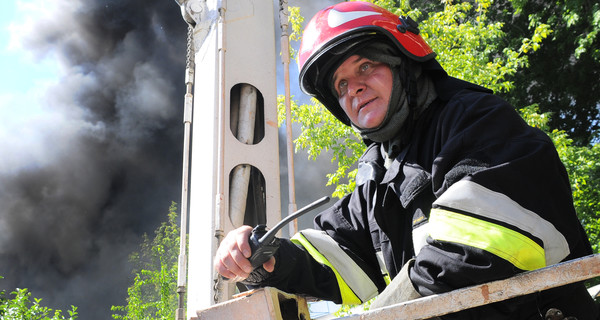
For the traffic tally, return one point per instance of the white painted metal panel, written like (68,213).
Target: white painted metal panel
(248,55)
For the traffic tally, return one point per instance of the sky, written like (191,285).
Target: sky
(19,67)
(91,137)
(22,82)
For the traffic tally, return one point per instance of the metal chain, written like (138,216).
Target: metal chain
(217,288)
(189,61)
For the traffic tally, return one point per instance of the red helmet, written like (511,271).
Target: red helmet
(340,26)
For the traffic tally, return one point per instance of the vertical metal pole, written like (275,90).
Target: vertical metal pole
(187,121)
(219,208)
(285,58)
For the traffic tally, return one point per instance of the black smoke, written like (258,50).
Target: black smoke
(111,159)
(109,164)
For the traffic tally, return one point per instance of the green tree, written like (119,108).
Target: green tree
(563,76)
(153,294)
(20,307)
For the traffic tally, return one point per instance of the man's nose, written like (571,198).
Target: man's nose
(356,86)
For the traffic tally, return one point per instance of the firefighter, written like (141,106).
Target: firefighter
(453,190)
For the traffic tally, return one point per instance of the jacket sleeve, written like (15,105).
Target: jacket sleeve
(503,205)
(335,261)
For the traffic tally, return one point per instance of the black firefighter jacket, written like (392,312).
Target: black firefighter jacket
(477,195)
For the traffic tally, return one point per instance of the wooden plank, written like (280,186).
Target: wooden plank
(262,304)
(525,283)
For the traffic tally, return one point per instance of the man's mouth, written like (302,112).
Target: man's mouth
(362,105)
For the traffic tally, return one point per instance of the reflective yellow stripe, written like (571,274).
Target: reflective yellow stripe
(468,196)
(387,279)
(348,296)
(505,243)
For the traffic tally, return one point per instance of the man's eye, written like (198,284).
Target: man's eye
(342,86)
(365,66)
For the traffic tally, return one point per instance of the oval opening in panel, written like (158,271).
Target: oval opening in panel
(247,198)
(247,115)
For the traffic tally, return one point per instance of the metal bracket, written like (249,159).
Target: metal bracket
(193,11)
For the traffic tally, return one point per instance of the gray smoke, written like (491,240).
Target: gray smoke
(110,161)
(73,206)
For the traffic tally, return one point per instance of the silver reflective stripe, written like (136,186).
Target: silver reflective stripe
(419,237)
(381,261)
(352,274)
(471,197)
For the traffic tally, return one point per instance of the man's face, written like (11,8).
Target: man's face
(364,88)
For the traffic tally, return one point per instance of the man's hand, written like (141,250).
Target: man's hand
(231,259)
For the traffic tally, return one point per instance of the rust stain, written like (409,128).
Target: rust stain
(485,292)
(272,123)
(245,293)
